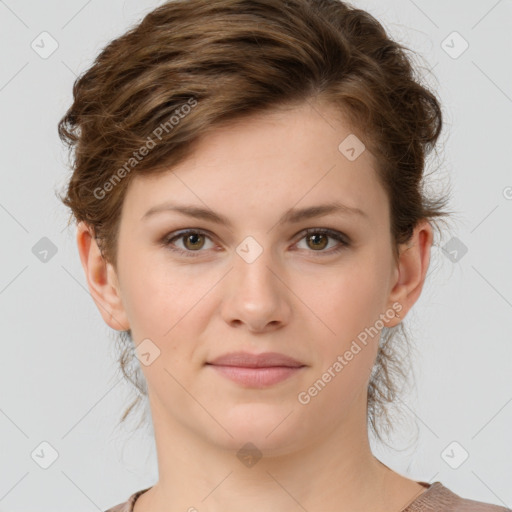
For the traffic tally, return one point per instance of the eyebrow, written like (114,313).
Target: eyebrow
(291,216)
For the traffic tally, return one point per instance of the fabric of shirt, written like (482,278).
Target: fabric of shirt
(437,498)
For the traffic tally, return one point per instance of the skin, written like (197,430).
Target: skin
(295,299)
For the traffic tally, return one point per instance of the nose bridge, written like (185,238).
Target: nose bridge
(254,268)
(256,295)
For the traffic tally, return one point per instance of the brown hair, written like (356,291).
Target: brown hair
(191,65)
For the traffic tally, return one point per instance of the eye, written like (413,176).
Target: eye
(318,239)
(194,240)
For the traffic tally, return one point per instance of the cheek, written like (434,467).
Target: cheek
(165,304)
(350,304)
(353,298)
(152,292)
(346,354)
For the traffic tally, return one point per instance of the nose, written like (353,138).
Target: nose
(256,295)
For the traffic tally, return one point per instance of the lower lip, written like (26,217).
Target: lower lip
(256,377)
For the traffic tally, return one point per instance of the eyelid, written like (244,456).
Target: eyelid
(176,235)
(332,233)
(342,239)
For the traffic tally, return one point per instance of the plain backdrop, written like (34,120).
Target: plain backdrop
(61,394)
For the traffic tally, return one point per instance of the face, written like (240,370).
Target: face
(316,287)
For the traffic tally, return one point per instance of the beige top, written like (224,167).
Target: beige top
(437,498)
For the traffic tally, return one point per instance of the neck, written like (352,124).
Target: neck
(336,471)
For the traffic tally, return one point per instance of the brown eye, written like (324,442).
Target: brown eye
(318,241)
(188,243)
(193,240)
(323,241)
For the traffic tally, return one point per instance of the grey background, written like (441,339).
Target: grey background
(58,377)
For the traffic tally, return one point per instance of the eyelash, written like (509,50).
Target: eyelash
(168,239)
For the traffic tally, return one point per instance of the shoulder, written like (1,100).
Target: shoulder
(127,506)
(441,499)
(122,507)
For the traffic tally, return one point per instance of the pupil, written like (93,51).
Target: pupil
(315,240)
(193,237)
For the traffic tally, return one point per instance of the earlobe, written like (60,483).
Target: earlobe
(412,269)
(101,279)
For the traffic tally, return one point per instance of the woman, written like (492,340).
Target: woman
(248,188)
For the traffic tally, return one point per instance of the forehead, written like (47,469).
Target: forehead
(269,162)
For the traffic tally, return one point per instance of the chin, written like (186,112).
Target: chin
(271,428)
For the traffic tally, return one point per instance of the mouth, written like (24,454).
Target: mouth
(256,377)
(256,370)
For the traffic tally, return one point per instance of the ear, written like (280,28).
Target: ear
(101,279)
(412,268)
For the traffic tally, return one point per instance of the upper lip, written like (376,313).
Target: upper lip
(248,360)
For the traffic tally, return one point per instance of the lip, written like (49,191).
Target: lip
(256,370)
(248,360)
